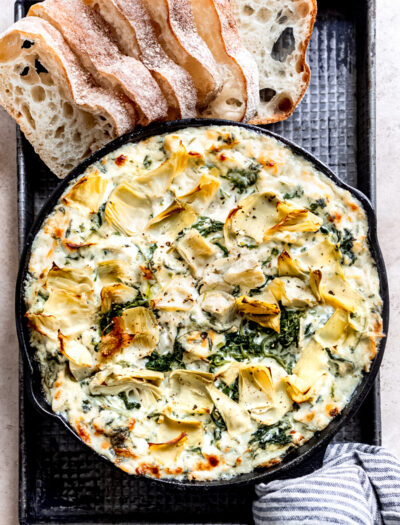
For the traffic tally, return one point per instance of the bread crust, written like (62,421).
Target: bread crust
(246,67)
(307,73)
(78,85)
(130,17)
(90,39)
(190,51)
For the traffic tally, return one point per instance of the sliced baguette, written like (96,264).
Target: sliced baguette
(64,115)
(87,35)
(133,31)
(176,30)
(239,97)
(277,34)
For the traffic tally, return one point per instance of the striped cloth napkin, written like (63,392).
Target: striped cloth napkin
(356,485)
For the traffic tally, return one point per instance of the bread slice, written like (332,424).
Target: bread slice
(175,28)
(61,111)
(277,34)
(239,97)
(133,31)
(87,35)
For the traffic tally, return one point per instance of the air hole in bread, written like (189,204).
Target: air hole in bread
(267,94)
(38,94)
(39,67)
(284,46)
(18,90)
(248,10)
(282,19)
(285,104)
(234,102)
(263,14)
(76,137)
(27,113)
(27,44)
(59,131)
(67,109)
(25,71)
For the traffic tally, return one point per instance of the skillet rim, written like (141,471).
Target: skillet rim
(298,456)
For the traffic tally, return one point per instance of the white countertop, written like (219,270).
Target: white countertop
(388,183)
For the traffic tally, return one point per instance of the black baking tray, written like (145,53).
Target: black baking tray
(61,481)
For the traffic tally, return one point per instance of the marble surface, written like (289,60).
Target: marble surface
(388,176)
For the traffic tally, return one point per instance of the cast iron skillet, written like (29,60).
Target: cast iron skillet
(299,455)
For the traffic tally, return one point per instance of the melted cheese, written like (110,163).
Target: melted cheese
(194,312)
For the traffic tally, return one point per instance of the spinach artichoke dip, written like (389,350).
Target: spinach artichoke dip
(201,303)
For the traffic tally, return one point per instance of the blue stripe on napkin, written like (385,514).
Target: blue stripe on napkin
(357,485)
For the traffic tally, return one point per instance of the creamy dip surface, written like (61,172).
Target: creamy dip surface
(201,303)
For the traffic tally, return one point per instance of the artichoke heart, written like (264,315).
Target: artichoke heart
(113,271)
(257,306)
(188,391)
(291,218)
(73,313)
(115,379)
(116,294)
(202,195)
(219,304)
(141,323)
(335,291)
(237,419)
(75,280)
(170,428)
(310,368)
(245,271)
(288,266)
(228,372)
(321,256)
(75,351)
(292,292)
(195,250)
(155,183)
(263,309)
(178,295)
(168,453)
(171,221)
(127,210)
(88,193)
(253,216)
(334,331)
(256,389)
(267,402)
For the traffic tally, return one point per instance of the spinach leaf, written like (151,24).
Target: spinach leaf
(346,246)
(222,247)
(205,226)
(317,204)
(129,405)
(163,363)
(116,310)
(241,345)
(271,435)
(296,192)
(242,179)
(147,162)
(232,390)
(344,239)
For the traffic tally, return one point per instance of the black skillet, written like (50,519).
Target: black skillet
(295,459)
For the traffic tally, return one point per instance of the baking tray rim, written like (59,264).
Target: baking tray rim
(304,452)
